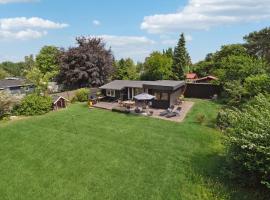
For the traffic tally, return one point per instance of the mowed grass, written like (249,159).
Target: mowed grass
(98,154)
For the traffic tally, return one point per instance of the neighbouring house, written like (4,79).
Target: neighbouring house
(191,76)
(206,79)
(16,86)
(54,87)
(166,92)
(59,102)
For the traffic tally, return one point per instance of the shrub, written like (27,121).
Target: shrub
(200,118)
(249,141)
(225,118)
(5,104)
(256,84)
(34,104)
(81,95)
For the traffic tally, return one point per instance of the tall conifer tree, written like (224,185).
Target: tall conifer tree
(181,59)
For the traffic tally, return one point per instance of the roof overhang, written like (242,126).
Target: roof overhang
(164,87)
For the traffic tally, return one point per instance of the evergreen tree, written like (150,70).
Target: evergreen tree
(168,52)
(181,59)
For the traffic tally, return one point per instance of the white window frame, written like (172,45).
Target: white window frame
(110,93)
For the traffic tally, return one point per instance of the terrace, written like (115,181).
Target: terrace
(185,108)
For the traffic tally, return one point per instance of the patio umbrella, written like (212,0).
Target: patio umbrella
(144,97)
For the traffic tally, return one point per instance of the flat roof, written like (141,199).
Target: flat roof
(163,84)
(10,83)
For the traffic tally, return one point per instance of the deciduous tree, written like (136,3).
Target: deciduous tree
(88,64)
(157,66)
(47,60)
(125,70)
(258,43)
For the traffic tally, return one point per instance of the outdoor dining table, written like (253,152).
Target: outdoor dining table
(128,103)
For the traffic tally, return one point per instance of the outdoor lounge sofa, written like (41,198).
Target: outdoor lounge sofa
(166,112)
(174,113)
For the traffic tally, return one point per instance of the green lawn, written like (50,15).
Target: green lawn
(97,154)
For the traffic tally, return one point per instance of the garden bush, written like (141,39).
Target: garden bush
(81,95)
(225,118)
(5,104)
(200,118)
(34,104)
(249,141)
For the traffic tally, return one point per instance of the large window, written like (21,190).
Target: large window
(110,93)
(162,96)
(157,95)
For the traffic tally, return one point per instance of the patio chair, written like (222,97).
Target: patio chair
(150,113)
(120,102)
(137,110)
(174,113)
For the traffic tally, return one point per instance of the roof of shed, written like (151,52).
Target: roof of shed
(56,98)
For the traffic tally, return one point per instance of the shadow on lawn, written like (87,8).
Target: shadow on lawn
(212,168)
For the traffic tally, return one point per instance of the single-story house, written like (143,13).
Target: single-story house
(166,92)
(59,102)
(206,79)
(16,86)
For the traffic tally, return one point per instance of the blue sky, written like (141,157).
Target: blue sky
(132,28)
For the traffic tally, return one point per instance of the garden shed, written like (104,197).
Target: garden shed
(59,102)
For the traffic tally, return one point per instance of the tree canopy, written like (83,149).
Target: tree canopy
(47,59)
(3,74)
(125,69)
(13,69)
(157,66)
(258,43)
(88,64)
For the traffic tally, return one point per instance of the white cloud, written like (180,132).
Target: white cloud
(22,35)
(136,47)
(33,22)
(122,41)
(16,1)
(23,28)
(96,22)
(204,14)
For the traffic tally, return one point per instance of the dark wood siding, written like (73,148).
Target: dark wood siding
(202,90)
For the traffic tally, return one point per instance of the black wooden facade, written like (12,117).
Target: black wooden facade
(202,90)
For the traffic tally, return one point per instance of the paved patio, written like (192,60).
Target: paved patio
(186,106)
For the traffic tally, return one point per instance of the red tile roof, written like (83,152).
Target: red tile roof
(207,77)
(191,76)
